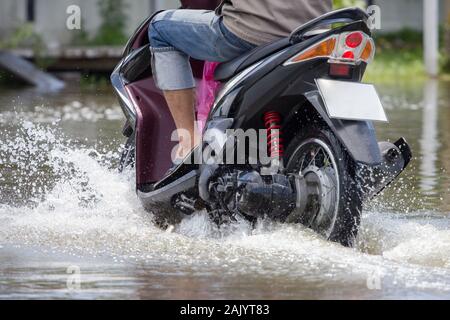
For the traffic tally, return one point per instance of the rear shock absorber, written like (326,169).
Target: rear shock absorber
(272,122)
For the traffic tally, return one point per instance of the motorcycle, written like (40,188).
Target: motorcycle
(304,94)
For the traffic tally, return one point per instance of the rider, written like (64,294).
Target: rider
(236,27)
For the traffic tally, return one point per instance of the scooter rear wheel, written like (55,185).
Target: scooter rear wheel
(330,202)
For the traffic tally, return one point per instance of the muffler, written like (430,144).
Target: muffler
(374,179)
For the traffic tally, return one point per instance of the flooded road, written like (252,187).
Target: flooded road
(71,227)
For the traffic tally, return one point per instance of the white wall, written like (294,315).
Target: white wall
(166,4)
(50,16)
(10,14)
(399,14)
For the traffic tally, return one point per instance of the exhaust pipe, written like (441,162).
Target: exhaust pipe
(374,179)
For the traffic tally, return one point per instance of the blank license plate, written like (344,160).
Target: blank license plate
(351,100)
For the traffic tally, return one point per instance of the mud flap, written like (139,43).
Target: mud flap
(358,137)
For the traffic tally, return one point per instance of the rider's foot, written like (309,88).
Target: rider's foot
(180,157)
(175,164)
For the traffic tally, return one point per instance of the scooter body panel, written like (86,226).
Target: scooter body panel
(148,113)
(293,89)
(154,128)
(257,87)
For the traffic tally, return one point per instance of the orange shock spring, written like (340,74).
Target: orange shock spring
(272,122)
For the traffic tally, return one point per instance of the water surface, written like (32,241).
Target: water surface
(63,207)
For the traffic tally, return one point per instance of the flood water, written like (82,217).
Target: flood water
(71,226)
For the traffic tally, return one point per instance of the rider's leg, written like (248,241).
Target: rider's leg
(181,104)
(176,35)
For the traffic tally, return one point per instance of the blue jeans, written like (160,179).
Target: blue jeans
(177,35)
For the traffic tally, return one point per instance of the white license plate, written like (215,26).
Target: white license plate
(351,100)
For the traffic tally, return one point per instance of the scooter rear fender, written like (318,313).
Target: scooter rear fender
(358,137)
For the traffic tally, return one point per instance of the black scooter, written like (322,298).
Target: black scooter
(304,96)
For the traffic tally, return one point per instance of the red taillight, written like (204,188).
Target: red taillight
(348,55)
(346,47)
(340,70)
(354,40)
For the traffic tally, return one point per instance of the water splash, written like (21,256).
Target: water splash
(62,195)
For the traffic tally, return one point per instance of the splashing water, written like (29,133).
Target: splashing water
(61,195)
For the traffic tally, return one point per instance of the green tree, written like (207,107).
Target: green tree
(112,27)
(447,37)
(348,3)
(23,35)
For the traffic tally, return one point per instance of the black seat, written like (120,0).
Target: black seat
(227,70)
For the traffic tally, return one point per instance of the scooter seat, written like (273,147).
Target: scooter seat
(227,70)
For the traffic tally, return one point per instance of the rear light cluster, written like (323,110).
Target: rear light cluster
(354,40)
(347,47)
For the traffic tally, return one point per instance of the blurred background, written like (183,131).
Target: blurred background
(37,31)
